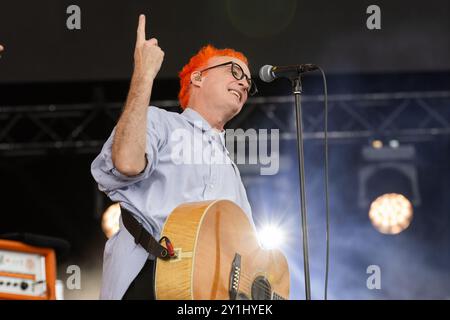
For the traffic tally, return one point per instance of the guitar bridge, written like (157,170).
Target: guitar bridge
(235,276)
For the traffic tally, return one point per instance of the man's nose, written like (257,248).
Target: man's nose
(244,83)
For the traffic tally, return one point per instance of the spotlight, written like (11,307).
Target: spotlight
(110,220)
(391,213)
(386,170)
(270,237)
(394,143)
(377,144)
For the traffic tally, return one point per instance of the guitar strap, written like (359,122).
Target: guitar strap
(144,238)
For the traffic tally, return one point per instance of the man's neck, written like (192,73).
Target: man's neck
(215,120)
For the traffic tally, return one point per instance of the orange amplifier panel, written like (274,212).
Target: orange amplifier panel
(26,272)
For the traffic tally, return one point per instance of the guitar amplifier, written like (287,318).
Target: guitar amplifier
(26,272)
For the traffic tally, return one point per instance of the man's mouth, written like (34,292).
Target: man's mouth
(236,93)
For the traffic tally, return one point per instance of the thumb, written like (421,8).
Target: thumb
(153,41)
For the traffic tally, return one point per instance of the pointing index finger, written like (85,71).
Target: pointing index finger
(141,29)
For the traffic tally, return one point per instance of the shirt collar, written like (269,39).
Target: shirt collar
(196,119)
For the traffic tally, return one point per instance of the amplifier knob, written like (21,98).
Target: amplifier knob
(24,286)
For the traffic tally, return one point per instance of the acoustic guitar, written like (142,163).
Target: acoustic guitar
(218,257)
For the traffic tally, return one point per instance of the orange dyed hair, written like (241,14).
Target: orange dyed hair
(197,62)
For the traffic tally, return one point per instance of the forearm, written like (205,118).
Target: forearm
(129,144)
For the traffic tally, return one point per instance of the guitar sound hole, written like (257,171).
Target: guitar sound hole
(261,289)
(242,296)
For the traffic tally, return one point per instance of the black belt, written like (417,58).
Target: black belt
(145,239)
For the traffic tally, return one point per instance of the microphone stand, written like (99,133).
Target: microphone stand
(297,90)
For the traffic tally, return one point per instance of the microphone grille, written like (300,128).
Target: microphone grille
(265,73)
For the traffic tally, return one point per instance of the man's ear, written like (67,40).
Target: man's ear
(196,78)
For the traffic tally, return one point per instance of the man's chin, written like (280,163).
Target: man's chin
(232,109)
(235,109)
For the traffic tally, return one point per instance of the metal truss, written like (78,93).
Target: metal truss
(413,116)
(83,128)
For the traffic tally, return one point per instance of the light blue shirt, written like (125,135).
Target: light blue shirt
(183,165)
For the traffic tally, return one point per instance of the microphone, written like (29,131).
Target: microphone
(269,73)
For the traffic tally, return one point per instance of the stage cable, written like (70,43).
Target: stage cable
(327,206)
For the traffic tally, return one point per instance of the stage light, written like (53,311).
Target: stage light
(377,144)
(270,237)
(394,143)
(390,169)
(110,220)
(391,213)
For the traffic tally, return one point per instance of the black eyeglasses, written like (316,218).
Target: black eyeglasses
(238,74)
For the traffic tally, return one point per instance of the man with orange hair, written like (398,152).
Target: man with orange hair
(139,165)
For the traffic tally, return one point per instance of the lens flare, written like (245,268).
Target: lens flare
(270,237)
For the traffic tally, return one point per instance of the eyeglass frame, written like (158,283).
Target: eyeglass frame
(252,90)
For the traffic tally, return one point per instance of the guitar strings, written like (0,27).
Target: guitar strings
(261,286)
(249,282)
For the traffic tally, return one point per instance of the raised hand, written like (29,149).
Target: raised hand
(148,56)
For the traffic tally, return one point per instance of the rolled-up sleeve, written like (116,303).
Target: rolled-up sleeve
(106,174)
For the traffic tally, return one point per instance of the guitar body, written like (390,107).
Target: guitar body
(218,257)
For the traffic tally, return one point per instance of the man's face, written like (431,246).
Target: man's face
(221,88)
